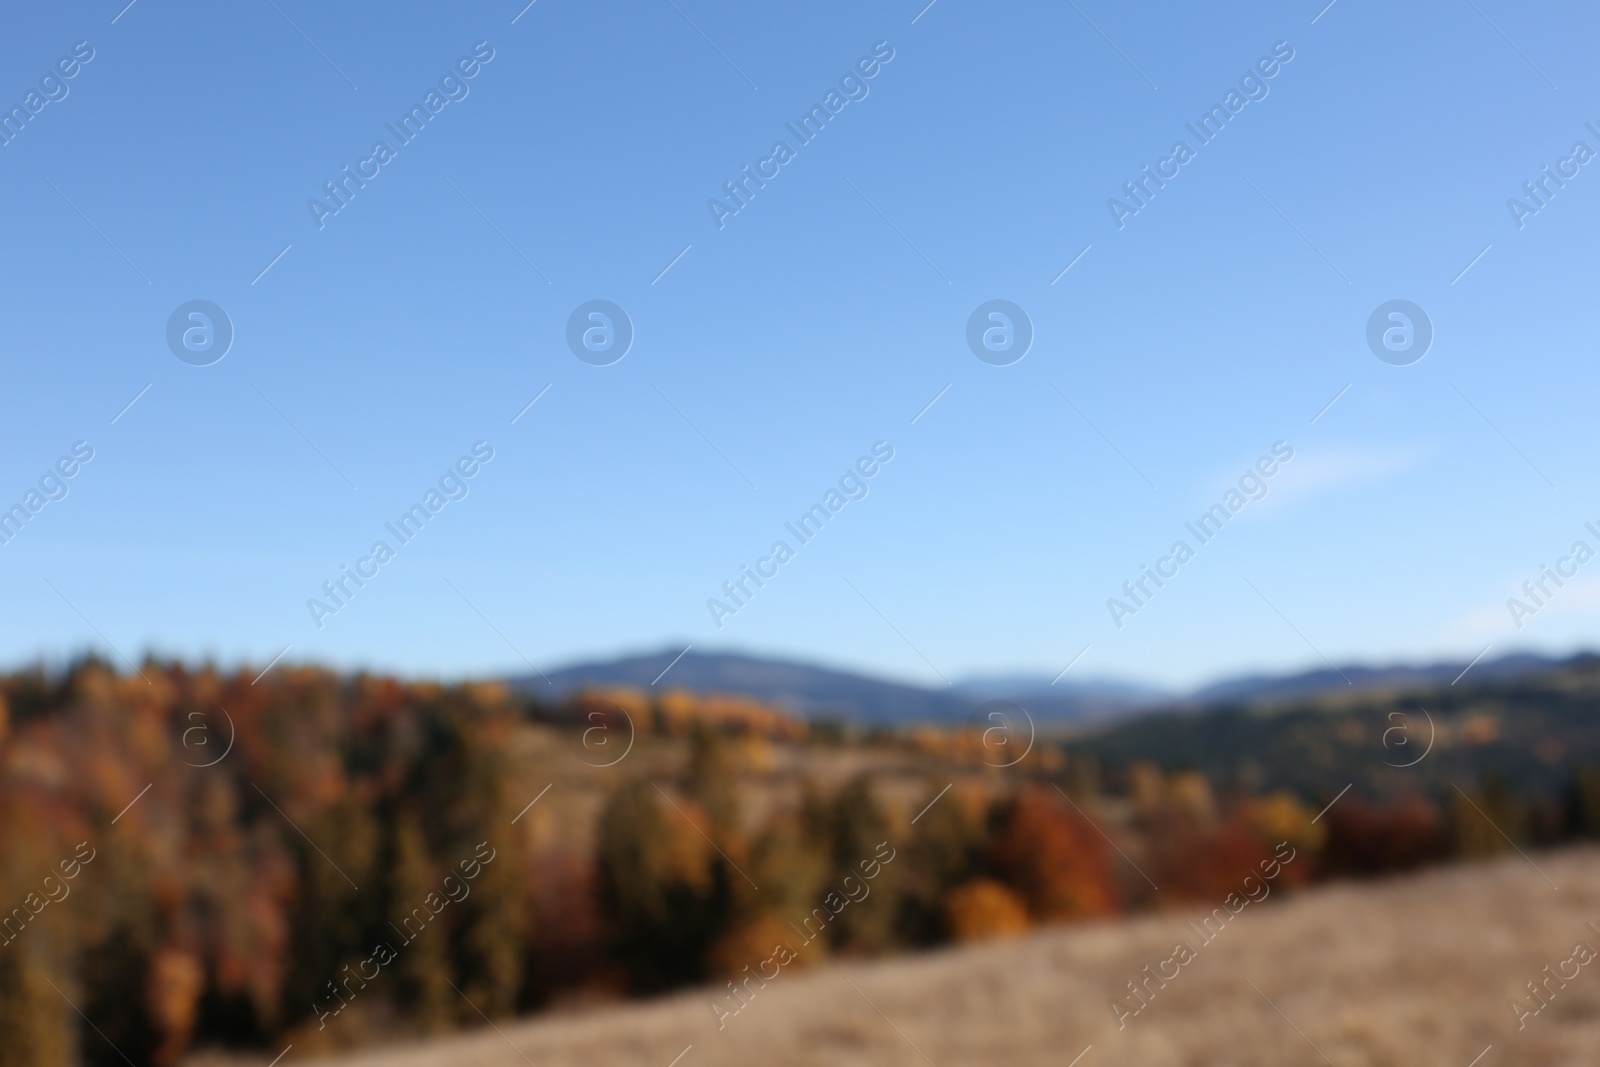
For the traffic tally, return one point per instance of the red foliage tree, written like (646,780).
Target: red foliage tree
(1052,858)
(1364,839)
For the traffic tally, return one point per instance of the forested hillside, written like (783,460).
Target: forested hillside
(196,859)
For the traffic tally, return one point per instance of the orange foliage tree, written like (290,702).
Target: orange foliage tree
(1053,858)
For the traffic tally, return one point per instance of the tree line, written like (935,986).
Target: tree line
(329,860)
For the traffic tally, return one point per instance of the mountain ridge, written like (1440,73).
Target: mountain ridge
(819,692)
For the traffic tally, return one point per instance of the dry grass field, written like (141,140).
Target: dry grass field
(1410,972)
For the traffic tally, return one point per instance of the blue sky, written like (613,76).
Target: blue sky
(818,320)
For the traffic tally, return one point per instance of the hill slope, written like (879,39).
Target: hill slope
(1531,733)
(1409,972)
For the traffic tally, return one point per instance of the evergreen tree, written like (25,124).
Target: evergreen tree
(113,905)
(35,1030)
(710,779)
(334,922)
(666,898)
(422,972)
(858,826)
(38,1027)
(943,852)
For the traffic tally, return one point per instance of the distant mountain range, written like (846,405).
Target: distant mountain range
(1273,689)
(815,692)
(823,693)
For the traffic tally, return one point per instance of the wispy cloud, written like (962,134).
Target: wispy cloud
(1316,472)
(1579,597)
